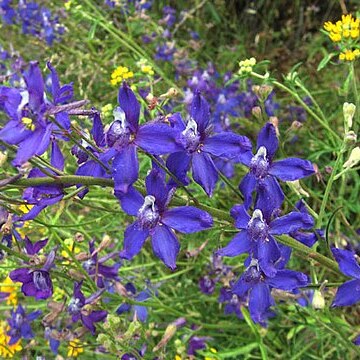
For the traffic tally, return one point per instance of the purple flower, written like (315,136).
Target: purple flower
(154,219)
(125,134)
(87,317)
(232,302)
(207,285)
(349,292)
(197,343)
(264,172)
(95,267)
(36,282)
(200,146)
(257,235)
(138,311)
(257,285)
(30,127)
(20,324)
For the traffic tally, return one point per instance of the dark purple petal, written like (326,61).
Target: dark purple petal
(21,275)
(141,312)
(158,139)
(288,280)
(267,138)
(123,308)
(179,163)
(33,213)
(247,187)
(57,158)
(347,262)
(291,169)
(308,239)
(347,294)
(177,122)
(291,222)
(125,168)
(129,103)
(240,244)
(33,249)
(204,172)
(134,238)
(14,132)
(260,301)
(29,289)
(200,112)
(35,144)
(156,186)
(268,253)
(97,130)
(269,196)
(227,144)
(130,201)
(357,340)
(241,216)
(35,86)
(165,245)
(187,219)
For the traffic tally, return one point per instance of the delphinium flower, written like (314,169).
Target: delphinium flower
(19,324)
(197,343)
(256,235)
(156,220)
(79,309)
(95,267)
(41,196)
(28,109)
(35,281)
(233,302)
(264,172)
(346,34)
(125,135)
(257,285)
(138,312)
(298,113)
(200,145)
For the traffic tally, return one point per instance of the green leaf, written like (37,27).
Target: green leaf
(325,60)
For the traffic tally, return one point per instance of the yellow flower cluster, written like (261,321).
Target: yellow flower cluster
(8,286)
(6,350)
(247,65)
(346,32)
(75,348)
(145,67)
(119,74)
(346,28)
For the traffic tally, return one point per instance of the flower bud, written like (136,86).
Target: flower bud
(256,111)
(354,158)
(350,137)
(349,112)
(318,301)
(3,158)
(171,93)
(295,185)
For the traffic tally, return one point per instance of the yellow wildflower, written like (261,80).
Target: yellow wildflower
(58,294)
(119,74)
(246,65)
(8,286)
(71,245)
(75,348)
(107,110)
(6,350)
(349,55)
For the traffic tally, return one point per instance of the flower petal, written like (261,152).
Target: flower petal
(347,262)
(241,216)
(165,246)
(238,245)
(159,139)
(288,280)
(35,86)
(291,222)
(347,294)
(227,144)
(204,172)
(200,112)
(268,253)
(125,168)
(260,301)
(130,201)
(134,238)
(129,103)
(179,163)
(247,187)
(291,169)
(187,219)
(267,138)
